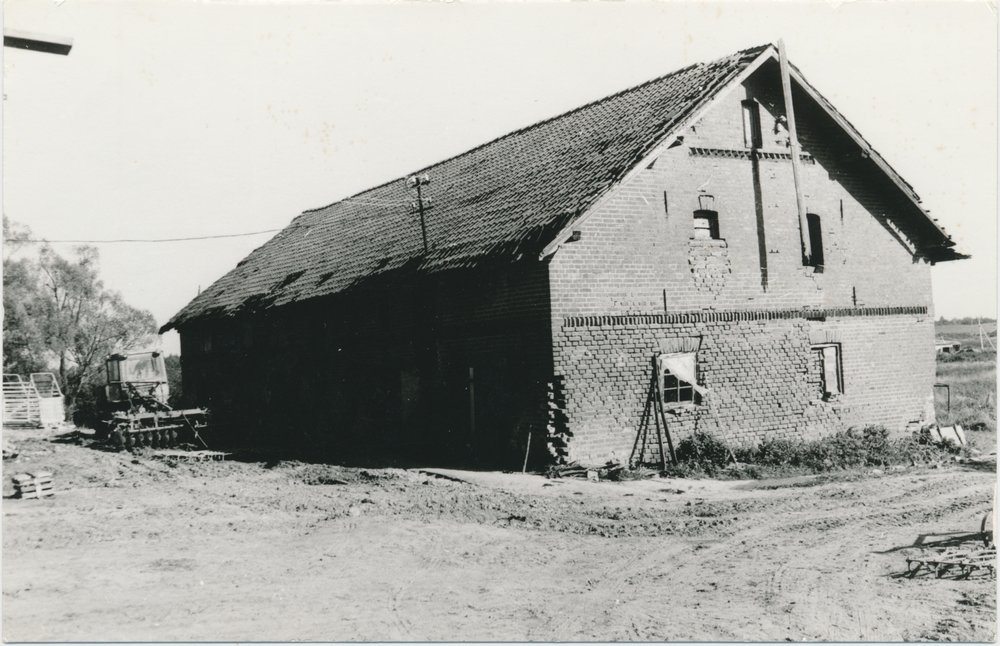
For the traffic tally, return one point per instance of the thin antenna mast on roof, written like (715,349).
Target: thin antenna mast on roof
(416,182)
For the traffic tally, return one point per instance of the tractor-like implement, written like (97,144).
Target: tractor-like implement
(137,412)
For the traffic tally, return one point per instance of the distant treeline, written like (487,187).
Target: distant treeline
(966,321)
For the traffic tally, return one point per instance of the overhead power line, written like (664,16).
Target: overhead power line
(228,235)
(424,202)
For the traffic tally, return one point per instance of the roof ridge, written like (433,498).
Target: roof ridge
(507,212)
(537,124)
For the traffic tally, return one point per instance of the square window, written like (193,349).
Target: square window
(706,225)
(677,374)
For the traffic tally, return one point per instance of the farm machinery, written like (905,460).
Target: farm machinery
(137,413)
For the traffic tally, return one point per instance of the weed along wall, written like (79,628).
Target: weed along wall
(761,369)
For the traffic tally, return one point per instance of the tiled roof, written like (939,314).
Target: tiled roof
(504,198)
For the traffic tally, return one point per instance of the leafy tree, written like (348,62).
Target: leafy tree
(23,348)
(172,362)
(60,309)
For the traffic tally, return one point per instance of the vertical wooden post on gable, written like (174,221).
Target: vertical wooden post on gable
(786,87)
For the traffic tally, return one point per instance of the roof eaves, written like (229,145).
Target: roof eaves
(943,254)
(867,149)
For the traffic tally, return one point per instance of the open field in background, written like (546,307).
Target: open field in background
(966,333)
(972,377)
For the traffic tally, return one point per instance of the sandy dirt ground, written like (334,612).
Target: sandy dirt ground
(146,548)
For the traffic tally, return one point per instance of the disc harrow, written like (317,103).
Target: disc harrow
(158,430)
(136,412)
(962,562)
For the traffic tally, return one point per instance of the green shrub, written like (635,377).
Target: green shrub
(703,455)
(776,453)
(703,450)
(878,447)
(924,438)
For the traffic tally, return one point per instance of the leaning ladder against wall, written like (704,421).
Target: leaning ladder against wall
(681,365)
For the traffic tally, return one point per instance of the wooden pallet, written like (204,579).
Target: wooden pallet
(37,485)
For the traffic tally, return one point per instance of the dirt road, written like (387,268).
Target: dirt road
(143,549)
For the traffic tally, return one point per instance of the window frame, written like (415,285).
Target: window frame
(838,368)
(753,136)
(679,385)
(712,217)
(815,225)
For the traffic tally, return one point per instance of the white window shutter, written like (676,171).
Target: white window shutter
(830,373)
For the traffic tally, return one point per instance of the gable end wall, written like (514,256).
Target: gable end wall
(635,256)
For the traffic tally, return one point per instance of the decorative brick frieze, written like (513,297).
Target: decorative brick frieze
(747,154)
(744,315)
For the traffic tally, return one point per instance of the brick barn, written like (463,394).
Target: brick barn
(528,287)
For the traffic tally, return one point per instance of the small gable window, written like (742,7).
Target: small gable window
(826,359)
(751,125)
(706,225)
(816,242)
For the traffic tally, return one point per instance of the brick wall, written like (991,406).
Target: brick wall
(636,257)
(763,377)
(638,243)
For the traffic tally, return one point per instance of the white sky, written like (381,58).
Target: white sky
(186,119)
